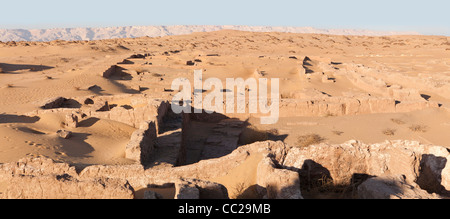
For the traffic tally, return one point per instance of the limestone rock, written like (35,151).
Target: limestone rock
(424,169)
(142,143)
(72,120)
(64,134)
(423,164)
(66,187)
(36,167)
(101,106)
(277,183)
(392,187)
(134,174)
(199,189)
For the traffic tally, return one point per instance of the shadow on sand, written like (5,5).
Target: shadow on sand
(8,118)
(12,68)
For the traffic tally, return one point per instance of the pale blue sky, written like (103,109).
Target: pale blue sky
(428,17)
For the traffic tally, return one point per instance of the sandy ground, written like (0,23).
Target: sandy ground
(368,128)
(34,72)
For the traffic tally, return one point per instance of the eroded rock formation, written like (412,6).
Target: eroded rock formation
(396,170)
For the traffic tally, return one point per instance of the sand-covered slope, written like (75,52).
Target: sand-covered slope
(333,88)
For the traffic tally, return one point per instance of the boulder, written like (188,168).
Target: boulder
(392,187)
(64,134)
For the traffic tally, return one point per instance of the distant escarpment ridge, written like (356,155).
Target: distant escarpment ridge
(155,31)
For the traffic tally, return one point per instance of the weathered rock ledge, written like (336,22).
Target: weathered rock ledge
(395,169)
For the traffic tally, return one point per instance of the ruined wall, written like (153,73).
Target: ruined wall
(142,143)
(341,162)
(149,110)
(41,178)
(144,114)
(185,125)
(141,109)
(65,187)
(339,106)
(395,85)
(423,165)
(199,189)
(205,169)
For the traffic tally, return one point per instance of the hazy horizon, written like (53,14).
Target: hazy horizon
(430,18)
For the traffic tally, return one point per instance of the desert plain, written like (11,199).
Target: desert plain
(359,117)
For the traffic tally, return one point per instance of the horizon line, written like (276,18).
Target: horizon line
(219,25)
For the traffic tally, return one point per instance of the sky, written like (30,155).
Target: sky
(426,17)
